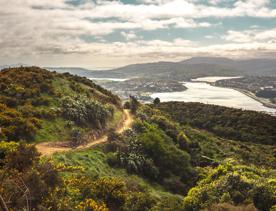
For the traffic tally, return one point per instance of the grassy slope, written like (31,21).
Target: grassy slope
(94,161)
(236,124)
(218,149)
(54,128)
(95,165)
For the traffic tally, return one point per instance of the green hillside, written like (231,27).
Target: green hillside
(167,162)
(171,158)
(236,124)
(38,105)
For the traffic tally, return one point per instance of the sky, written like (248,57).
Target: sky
(99,34)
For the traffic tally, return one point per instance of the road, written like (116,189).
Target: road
(49,148)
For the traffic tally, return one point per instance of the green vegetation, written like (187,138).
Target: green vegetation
(234,184)
(226,122)
(176,156)
(46,106)
(213,149)
(25,182)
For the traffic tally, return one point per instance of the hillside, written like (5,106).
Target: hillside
(193,68)
(166,161)
(47,106)
(168,156)
(236,124)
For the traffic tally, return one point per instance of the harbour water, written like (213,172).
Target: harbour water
(203,92)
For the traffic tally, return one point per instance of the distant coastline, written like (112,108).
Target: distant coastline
(253,96)
(264,102)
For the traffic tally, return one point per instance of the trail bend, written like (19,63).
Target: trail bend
(49,148)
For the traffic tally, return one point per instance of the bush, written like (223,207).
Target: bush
(134,104)
(127,105)
(76,137)
(85,111)
(139,201)
(232,182)
(14,126)
(264,197)
(25,180)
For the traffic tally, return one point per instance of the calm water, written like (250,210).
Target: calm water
(109,79)
(205,93)
(213,78)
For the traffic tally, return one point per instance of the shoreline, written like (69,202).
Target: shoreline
(264,102)
(253,96)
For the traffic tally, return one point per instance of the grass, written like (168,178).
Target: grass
(63,86)
(118,115)
(95,165)
(219,148)
(92,160)
(56,130)
(53,130)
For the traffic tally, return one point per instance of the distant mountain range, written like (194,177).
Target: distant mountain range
(183,70)
(13,65)
(195,67)
(73,70)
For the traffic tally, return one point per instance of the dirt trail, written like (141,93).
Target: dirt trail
(49,148)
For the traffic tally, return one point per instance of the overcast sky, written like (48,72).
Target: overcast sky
(102,34)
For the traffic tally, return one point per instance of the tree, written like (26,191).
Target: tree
(127,105)
(134,104)
(156,101)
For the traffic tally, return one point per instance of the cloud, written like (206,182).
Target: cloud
(43,31)
(249,36)
(129,35)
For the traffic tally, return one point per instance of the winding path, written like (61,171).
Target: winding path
(49,148)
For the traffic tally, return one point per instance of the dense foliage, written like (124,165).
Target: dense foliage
(225,122)
(14,124)
(26,182)
(41,105)
(152,149)
(86,111)
(177,156)
(234,184)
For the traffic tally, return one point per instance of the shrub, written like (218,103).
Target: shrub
(26,182)
(264,197)
(139,201)
(85,111)
(232,182)
(76,137)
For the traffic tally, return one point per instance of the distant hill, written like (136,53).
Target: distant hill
(12,66)
(194,67)
(72,70)
(249,67)
(183,70)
